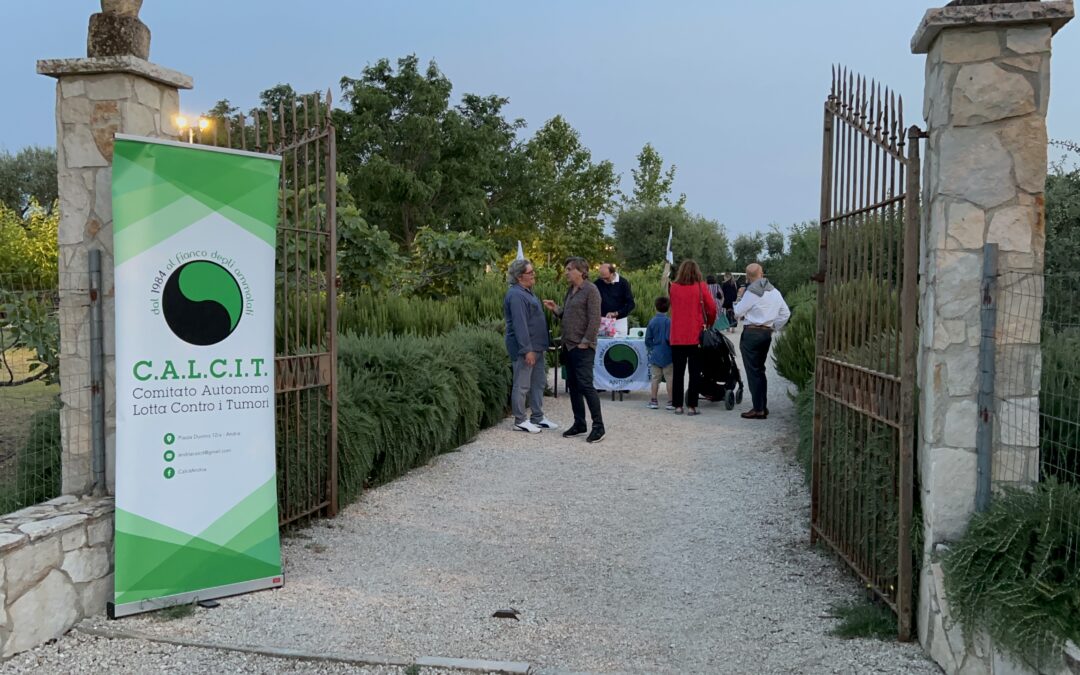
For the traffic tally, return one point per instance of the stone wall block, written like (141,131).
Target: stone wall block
(1031,64)
(1011,228)
(73,539)
(75,109)
(966,226)
(108,87)
(963,370)
(976,167)
(963,46)
(100,532)
(961,420)
(148,93)
(95,594)
(80,150)
(961,273)
(39,529)
(984,92)
(103,194)
(138,119)
(105,122)
(28,565)
(951,498)
(1028,39)
(86,564)
(71,87)
(1025,140)
(170,108)
(32,624)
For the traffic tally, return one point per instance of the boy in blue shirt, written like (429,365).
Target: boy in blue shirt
(656,341)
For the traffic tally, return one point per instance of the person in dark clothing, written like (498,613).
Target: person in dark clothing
(580,314)
(729,291)
(616,298)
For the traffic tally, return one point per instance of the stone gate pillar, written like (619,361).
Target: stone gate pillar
(113,90)
(987,89)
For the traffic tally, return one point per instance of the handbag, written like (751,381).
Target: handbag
(710,338)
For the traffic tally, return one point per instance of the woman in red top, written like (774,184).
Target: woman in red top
(692,309)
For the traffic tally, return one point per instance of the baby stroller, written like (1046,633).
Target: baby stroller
(720,376)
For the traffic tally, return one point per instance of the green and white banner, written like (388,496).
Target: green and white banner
(196,495)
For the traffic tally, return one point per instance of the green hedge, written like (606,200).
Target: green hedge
(794,349)
(1016,571)
(37,471)
(405,399)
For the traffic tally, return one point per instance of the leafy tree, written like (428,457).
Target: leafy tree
(447,262)
(747,249)
(774,242)
(652,185)
(26,177)
(570,193)
(28,248)
(1063,213)
(414,161)
(641,238)
(367,256)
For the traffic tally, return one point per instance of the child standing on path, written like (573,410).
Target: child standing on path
(656,341)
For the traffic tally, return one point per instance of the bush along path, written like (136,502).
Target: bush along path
(679,544)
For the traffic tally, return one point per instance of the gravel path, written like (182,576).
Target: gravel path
(679,544)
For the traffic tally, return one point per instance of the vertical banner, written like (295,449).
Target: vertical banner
(196,491)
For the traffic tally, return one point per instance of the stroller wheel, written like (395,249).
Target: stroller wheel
(738,396)
(729,400)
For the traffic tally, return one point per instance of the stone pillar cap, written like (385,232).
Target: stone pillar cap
(100,65)
(1056,13)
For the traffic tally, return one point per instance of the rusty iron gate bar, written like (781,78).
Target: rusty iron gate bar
(301,132)
(864,378)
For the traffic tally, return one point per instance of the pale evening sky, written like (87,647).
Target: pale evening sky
(731,92)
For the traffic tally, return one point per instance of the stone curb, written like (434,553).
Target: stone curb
(473,665)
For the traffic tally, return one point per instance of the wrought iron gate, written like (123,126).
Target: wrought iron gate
(864,414)
(305,367)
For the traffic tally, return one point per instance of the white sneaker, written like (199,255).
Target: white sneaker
(547,424)
(527,426)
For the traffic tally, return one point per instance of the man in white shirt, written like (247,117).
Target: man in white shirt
(763,311)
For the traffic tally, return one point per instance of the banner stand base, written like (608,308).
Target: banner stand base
(115,611)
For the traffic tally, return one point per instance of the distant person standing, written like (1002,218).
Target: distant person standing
(729,292)
(692,310)
(714,287)
(656,341)
(580,313)
(616,298)
(765,312)
(526,342)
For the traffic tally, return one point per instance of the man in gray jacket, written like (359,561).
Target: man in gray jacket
(526,342)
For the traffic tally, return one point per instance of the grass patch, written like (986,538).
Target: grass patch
(865,619)
(176,612)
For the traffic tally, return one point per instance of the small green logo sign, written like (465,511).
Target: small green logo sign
(169,455)
(202,303)
(169,472)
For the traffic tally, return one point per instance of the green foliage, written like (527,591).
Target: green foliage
(641,237)
(570,196)
(799,262)
(747,248)
(29,322)
(1059,422)
(449,261)
(405,399)
(774,243)
(1015,573)
(868,619)
(28,178)
(37,463)
(794,350)
(804,413)
(28,248)
(367,256)
(652,185)
(414,161)
(1062,218)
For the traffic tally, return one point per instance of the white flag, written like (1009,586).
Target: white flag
(521,254)
(668,255)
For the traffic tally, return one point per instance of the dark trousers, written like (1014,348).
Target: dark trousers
(579,380)
(681,357)
(754,345)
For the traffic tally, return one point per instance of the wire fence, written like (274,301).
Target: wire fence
(1037,384)
(30,446)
